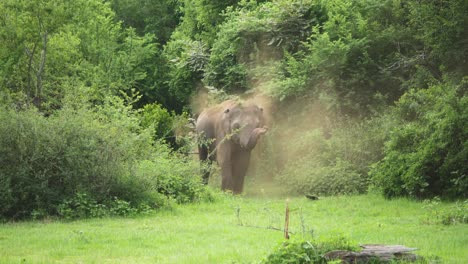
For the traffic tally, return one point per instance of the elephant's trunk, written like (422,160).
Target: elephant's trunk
(254,136)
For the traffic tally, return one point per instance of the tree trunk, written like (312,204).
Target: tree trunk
(30,54)
(40,71)
(383,253)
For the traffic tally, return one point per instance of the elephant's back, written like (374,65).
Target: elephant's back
(214,113)
(206,122)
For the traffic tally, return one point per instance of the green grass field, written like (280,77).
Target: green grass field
(233,229)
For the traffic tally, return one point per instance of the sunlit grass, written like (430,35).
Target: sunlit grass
(232,229)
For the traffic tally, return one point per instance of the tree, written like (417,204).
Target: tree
(158,18)
(427,151)
(50,47)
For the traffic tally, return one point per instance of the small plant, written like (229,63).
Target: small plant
(158,120)
(122,208)
(435,214)
(309,251)
(456,214)
(81,206)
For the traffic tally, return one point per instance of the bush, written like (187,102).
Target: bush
(436,214)
(83,159)
(331,163)
(308,251)
(427,152)
(44,161)
(177,178)
(159,120)
(81,206)
(84,206)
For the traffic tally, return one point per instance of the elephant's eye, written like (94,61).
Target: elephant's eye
(236,126)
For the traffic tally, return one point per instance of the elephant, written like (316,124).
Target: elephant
(227,134)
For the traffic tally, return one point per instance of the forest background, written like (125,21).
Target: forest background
(95,98)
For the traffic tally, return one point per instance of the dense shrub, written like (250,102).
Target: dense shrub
(427,152)
(47,162)
(44,160)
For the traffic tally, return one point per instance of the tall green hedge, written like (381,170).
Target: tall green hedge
(427,152)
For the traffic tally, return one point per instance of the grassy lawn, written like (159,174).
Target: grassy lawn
(232,229)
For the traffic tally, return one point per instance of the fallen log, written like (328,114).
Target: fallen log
(383,253)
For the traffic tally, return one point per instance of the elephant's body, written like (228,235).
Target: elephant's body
(228,133)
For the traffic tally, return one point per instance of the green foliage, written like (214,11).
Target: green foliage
(51,48)
(308,251)
(255,34)
(336,178)
(187,60)
(47,163)
(325,49)
(177,178)
(155,22)
(42,160)
(354,58)
(159,18)
(201,18)
(346,58)
(348,51)
(426,154)
(441,26)
(455,214)
(45,160)
(83,206)
(158,119)
(186,53)
(80,206)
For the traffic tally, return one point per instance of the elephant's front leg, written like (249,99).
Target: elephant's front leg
(240,165)
(223,156)
(226,176)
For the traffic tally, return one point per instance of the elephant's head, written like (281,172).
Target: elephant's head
(244,124)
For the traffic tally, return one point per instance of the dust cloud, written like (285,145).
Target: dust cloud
(287,120)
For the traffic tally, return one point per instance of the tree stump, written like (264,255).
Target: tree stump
(383,253)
